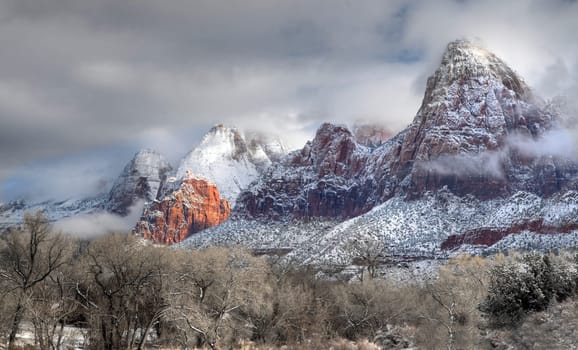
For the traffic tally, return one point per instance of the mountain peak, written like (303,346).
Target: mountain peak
(465,50)
(140,179)
(147,153)
(221,128)
(231,159)
(465,60)
(332,129)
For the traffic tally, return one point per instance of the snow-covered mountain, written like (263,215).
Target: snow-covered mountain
(230,159)
(141,178)
(478,132)
(483,163)
(320,180)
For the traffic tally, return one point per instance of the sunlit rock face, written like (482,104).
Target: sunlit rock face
(189,208)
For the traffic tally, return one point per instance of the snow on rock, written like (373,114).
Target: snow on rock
(320,180)
(415,229)
(231,160)
(457,178)
(12,213)
(141,178)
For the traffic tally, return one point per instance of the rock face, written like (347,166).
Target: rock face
(464,136)
(230,159)
(140,179)
(208,179)
(478,132)
(191,207)
(320,180)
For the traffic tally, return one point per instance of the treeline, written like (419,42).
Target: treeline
(125,294)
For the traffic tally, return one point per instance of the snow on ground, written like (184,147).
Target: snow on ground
(410,229)
(73,338)
(12,213)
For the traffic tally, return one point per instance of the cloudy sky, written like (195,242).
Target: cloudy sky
(85,84)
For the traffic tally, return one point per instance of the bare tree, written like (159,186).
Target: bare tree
(367,252)
(53,304)
(215,292)
(366,308)
(122,290)
(450,303)
(28,257)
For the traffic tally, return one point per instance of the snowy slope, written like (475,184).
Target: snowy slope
(414,228)
(12,213)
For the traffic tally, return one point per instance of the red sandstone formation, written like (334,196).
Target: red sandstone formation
(488,236)
(194,206)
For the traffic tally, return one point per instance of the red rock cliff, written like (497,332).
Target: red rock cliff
(194,206)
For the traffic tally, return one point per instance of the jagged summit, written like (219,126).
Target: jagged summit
(230,159)
(140,179)
(323,179)
(331,151)
(371,134)
(464,60)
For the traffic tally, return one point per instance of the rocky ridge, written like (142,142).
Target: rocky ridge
(467,137)
(320,180)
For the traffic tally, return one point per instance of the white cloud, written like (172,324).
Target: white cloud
(95,224)
(557,143)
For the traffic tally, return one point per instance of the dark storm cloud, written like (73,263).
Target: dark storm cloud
(78,76)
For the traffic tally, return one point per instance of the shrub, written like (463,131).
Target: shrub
(526,284)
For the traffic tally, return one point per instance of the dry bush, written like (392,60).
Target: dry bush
(299,308)
(447,314)
(120,282)
(216,295)
(365,309)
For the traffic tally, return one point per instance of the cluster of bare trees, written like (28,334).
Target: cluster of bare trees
(122,293)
